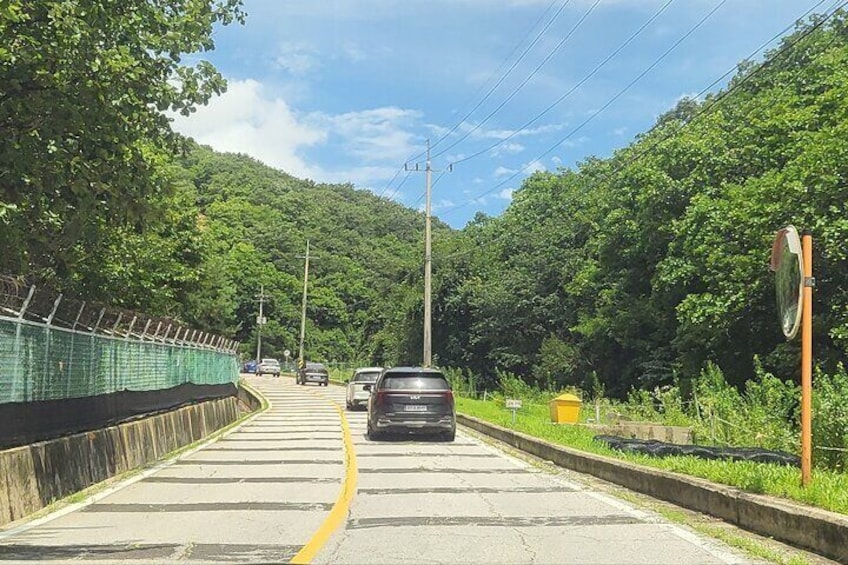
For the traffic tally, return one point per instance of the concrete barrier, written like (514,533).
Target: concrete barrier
(33,476)
(810,528)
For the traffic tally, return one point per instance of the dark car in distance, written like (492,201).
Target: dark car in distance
(313,373)
(411,399)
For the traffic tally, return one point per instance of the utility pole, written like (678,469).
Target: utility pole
(428,261)
(260,321)
(301,359)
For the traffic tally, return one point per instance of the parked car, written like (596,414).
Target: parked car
(269,367)
(411,399)
(313,373)
(250,366)
(356,393)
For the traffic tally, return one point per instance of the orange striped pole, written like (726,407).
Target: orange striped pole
(807,362)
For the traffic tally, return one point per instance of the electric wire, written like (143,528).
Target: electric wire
(399,186)
(500,67)
(523,83)
(597,112)
(834,9)
(574,88)
(500,81)
(491,90)
(723,95)
(388,184)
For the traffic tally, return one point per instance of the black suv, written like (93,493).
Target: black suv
(411,399)
(313,373)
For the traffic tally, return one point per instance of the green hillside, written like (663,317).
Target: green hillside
(641,268)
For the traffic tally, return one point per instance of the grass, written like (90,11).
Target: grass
(750,546)
(829,489)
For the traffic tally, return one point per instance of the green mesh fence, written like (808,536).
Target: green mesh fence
(39,362)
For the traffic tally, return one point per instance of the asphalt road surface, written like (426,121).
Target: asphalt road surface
(302,482)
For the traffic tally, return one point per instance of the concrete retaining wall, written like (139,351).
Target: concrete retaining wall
(818,530)
(33,476)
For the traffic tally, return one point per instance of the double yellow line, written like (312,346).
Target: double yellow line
(340,509)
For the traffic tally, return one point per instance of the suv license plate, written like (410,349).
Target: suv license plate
(415,408)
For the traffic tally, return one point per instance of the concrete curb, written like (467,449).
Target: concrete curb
(33,476)
(820,531)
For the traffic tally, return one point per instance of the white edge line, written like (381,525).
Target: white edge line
(23,528)
(725,555)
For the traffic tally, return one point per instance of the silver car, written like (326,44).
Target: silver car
(356,394)
(268,367)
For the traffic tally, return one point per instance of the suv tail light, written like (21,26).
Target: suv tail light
(380,397)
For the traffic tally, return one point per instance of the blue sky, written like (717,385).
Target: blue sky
(349,90)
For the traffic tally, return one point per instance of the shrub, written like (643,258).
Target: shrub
(830,419)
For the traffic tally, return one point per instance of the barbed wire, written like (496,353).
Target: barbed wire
(26,302)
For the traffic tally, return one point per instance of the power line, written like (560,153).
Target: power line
(723,96)
(435,182)
(598,111)
(574,88)
(505,75)
(386,188)
(529,77)
(500,67)
(403,182)
(493,88)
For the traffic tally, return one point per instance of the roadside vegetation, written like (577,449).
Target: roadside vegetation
(640,278)
(756,417)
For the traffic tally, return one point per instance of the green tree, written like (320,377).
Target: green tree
(84,90)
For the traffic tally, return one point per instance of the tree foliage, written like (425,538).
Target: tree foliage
(84,87)
(644,267)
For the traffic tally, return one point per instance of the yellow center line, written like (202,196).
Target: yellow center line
(340,509)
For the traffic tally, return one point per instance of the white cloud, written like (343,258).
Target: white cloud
(373,135)
(575,142)
(556,160)
(478,180)
(619,132)
(507,149)
(503,171)
(353,52)
(534,166)
(243,120)
(506,193)
(442,204)
(500,134)
(247,119)
(296,58)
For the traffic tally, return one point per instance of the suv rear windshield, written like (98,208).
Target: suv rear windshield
(316,368)
(413,381)
(365,377)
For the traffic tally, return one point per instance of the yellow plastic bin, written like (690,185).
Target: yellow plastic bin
(565,409)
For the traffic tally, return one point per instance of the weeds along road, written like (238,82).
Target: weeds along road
(302,482)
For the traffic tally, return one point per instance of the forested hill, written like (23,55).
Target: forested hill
(226,226)
(365,276)
(641,268)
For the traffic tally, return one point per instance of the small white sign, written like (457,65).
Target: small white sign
(286,353)
(261,320)
(513,404)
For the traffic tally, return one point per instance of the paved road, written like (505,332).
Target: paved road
(267,491)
